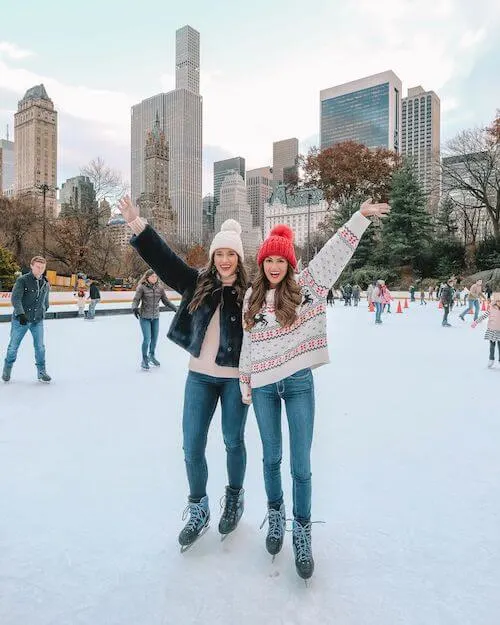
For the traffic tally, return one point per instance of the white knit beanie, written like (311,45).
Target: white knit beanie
(229,237)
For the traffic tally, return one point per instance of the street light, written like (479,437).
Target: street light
(44,187)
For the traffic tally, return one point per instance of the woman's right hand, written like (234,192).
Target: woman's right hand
(128,209)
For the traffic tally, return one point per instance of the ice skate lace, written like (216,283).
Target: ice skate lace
(230,506)
(276,524)
(302,540)
(197,516)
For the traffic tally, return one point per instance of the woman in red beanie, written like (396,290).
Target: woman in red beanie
(284,318)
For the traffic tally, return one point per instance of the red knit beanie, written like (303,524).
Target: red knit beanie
(278,243)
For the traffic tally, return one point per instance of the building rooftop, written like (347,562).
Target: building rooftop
(283,195)
(37,92)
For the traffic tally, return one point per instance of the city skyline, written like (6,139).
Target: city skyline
(93,91)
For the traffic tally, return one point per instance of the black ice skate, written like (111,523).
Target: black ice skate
(234,504)
(43,376)
(197,525)
(276,529)
(153,360)
(6,373)
(304,562)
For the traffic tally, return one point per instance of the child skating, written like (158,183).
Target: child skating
(493,329)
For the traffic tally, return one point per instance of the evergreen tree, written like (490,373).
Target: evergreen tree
(8,268)
(407,231)
(446,219)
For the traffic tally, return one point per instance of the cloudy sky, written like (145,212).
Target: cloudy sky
(262,66)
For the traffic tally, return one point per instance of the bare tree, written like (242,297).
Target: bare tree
(108,183)
(19,227)
(471,171)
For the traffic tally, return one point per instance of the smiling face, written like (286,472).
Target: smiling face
(153,278)
(226,262)
(37,268)
(275,269)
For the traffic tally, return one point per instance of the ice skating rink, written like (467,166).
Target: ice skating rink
(406,476)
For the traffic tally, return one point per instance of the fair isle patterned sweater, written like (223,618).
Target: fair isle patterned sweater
(271,352)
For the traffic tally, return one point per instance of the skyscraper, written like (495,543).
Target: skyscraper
(8,165)
(77,195)
(223,169)
(259,189)
(420,138)
(233,205)
(180,117)
(367,111)
(285,160)
(154,201)
(35,133)
(208,219)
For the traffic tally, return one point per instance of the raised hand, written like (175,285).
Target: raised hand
(374,210)
(128,209)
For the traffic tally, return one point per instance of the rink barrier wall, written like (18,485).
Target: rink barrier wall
(73,314)
(67,298)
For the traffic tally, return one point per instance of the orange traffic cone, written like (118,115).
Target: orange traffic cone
(399,309)
(371,307)
(483,307)
(469,312)
(406,303)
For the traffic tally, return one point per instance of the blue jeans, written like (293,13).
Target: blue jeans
(202,392)
(473,303)
(378,312)
(17,333)
(92,305)
(297,391)
(150,329)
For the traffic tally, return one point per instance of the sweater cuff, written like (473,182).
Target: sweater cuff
(358,224)
(137,226)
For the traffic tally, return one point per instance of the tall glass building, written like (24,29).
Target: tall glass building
(367,111)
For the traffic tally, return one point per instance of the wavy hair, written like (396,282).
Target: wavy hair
(209,282)
(286,298)
(145,276)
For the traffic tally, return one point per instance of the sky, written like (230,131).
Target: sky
(263,65)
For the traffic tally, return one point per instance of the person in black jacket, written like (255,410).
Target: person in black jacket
(30,299)
(208,324)
(447,293)
(95,298)
(146,308)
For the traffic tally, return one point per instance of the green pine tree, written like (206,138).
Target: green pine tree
(8,268)
(407,232)
(446,219)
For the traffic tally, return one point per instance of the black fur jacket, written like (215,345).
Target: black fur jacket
(188,330)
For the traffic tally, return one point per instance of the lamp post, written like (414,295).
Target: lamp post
(44,187)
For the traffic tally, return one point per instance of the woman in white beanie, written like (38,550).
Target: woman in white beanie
(208,325)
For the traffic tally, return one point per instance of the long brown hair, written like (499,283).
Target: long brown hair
(287,297)
(145,276)
(208,283)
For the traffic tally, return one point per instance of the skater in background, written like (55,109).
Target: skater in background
(431,293)
(378,297)
(475,295)
(457,297)
(447,300)
(146,308)
(80,301)
(95,298)
(493,329)
(347,293)
(30,299)
(284,338)
(422,296)
(465,295)
(387,299)
(356,294)
(208,325)
(412,293)
(330,300)
(369,293)
(488,291)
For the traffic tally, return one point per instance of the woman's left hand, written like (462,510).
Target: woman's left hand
(374,210)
